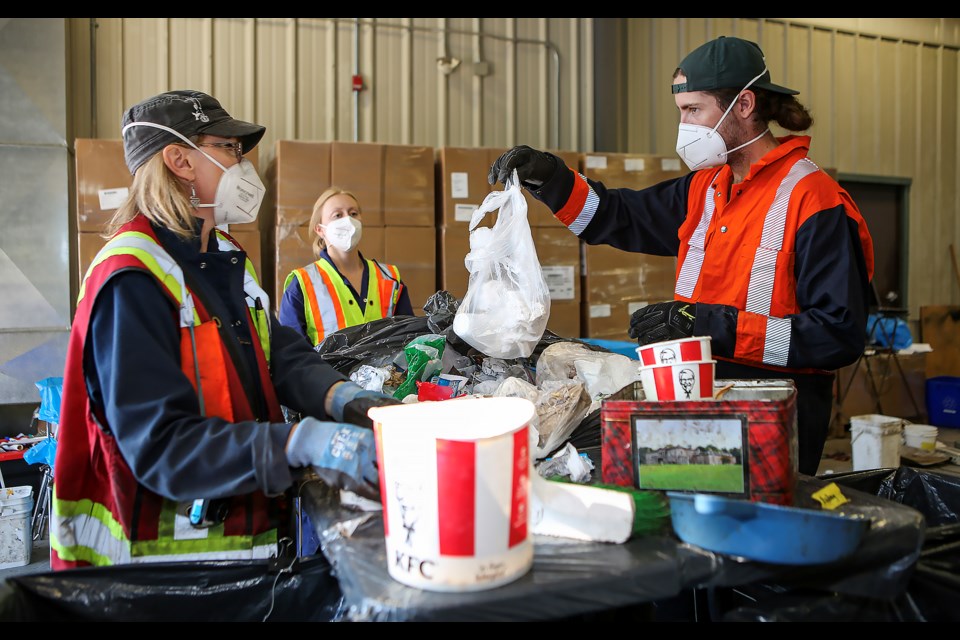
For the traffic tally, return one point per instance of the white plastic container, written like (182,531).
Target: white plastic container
(920,436)
(875,440)
(16,543)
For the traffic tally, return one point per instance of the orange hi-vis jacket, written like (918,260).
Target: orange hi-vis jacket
(101,514)
(778,264)
(329,305)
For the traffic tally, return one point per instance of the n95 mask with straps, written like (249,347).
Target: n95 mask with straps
(239,193)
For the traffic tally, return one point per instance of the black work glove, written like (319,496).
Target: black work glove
(351,402)
(533,167)
(663,321)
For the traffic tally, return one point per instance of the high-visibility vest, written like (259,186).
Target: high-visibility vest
(101,514)
(329,304)
(758,278)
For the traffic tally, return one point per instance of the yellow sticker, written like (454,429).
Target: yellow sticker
(830,497)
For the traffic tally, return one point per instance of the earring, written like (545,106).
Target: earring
(194,200)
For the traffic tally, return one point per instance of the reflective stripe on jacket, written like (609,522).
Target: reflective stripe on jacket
(101,514)
(329,305)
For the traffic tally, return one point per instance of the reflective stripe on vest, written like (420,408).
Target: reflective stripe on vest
(776,343)
(92,527)
(690,270)
(327,297)
(762,274)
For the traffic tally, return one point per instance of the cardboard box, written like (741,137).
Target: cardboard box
(462,180)
(940,328)
(294,249)
(631,170)
(565,318)
(409,192)
(359,168)
(103,182)
(413,251)
(454,245)
(88,244)
(616,283)
(874,386)
(301,171)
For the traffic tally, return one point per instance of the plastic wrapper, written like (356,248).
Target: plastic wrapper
(50,391)
(567,463)
(603,373)
(423,362)
(561,405)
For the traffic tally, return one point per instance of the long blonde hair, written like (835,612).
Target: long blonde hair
(319,244)
(158,194)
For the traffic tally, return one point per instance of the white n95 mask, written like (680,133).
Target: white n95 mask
(239,194)
(343,233)
(702,147)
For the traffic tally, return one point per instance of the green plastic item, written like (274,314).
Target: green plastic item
(423,362)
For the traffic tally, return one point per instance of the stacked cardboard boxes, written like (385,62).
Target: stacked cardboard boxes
(616,283)
(103,182)
(462,183)
(395,187)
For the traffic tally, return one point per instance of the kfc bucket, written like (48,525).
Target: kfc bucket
(695,349)
(455,488)
(681,381)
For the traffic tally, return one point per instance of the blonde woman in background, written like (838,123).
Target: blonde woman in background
(341,288)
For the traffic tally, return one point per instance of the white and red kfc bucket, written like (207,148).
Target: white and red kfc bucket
(455,488)
(681,381)
(695,349)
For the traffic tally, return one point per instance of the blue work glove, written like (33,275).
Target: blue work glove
(343,455)
(533,167)
(350,403)
(663,321)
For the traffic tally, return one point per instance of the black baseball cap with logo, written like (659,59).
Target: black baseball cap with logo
(726,63)
(187,112)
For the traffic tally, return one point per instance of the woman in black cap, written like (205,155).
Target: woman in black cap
(774,259)
(172,443)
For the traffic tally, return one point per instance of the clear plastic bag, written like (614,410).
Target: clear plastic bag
(505,310)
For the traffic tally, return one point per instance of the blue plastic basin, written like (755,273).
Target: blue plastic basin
(764,532)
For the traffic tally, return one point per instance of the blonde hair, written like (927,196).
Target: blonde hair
(157,194)
(318,242)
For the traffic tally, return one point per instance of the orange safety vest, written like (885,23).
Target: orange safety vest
(750,265)
(101,514)
(329,305)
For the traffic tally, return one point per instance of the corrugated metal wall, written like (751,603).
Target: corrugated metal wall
(884,92)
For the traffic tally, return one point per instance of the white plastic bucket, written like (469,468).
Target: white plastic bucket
(680,382)
(875,440)
(16,543)
(455,488)
(920,436)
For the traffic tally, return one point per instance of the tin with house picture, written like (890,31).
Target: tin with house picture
(740,443)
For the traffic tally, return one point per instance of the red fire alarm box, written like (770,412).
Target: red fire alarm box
(358,82)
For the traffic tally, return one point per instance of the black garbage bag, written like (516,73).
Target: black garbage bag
(198,591)
(378,342)
(933,590)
